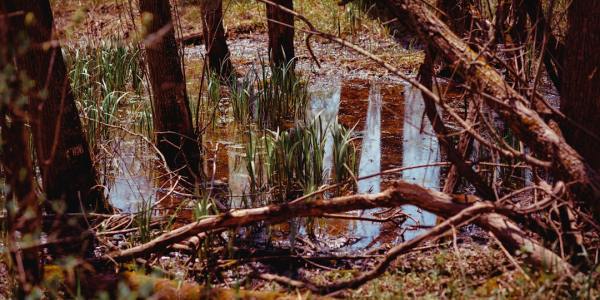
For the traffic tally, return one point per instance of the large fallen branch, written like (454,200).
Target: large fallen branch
(512,106)
(468,214)
(401,193)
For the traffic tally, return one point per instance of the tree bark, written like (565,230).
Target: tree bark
(457,16)
(21,202)
(214,39)
(580,88)
(175,136)
(68,173)
(62,152)
(281,33)
(554,54)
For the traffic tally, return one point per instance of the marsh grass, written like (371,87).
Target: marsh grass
(282,95)
(143,220)
(295,160)
(345,164)
(270,97)
(106,79)
(255,166)
(242,92)
(212,102)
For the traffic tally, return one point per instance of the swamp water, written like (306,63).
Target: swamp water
(393,131)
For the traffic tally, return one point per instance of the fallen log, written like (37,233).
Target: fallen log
(401,193)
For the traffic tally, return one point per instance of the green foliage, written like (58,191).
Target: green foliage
(295,160)
(106,76)
(143,220)
(269,96)
(213,98)
(344,153)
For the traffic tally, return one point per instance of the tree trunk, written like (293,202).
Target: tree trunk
(281,37)
(62,151)
(175,136)
(580,87)
(580,100)
(553,56)
(21,202)
(68,174)
(214,39)
(456,14)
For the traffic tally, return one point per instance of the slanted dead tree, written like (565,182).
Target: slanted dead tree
(172,118)
(215,42)
(281,33)
(514,108)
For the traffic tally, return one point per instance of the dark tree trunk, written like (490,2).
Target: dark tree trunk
(281,37)
(580,102)
(214,39)
(62,150)
(68,174)
(21,202)
(457,15)
(580,87)
(173,125)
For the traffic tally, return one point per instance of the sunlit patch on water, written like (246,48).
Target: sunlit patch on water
(130,174)
(420,147)
(370,156)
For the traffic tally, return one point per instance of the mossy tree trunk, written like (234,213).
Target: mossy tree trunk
(175,135)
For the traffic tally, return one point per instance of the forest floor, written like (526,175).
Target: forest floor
(468,265)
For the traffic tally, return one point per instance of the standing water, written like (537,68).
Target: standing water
(370,157)
(325,104)
(420,147)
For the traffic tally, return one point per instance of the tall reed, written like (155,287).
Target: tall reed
(105,76)
(269,96)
